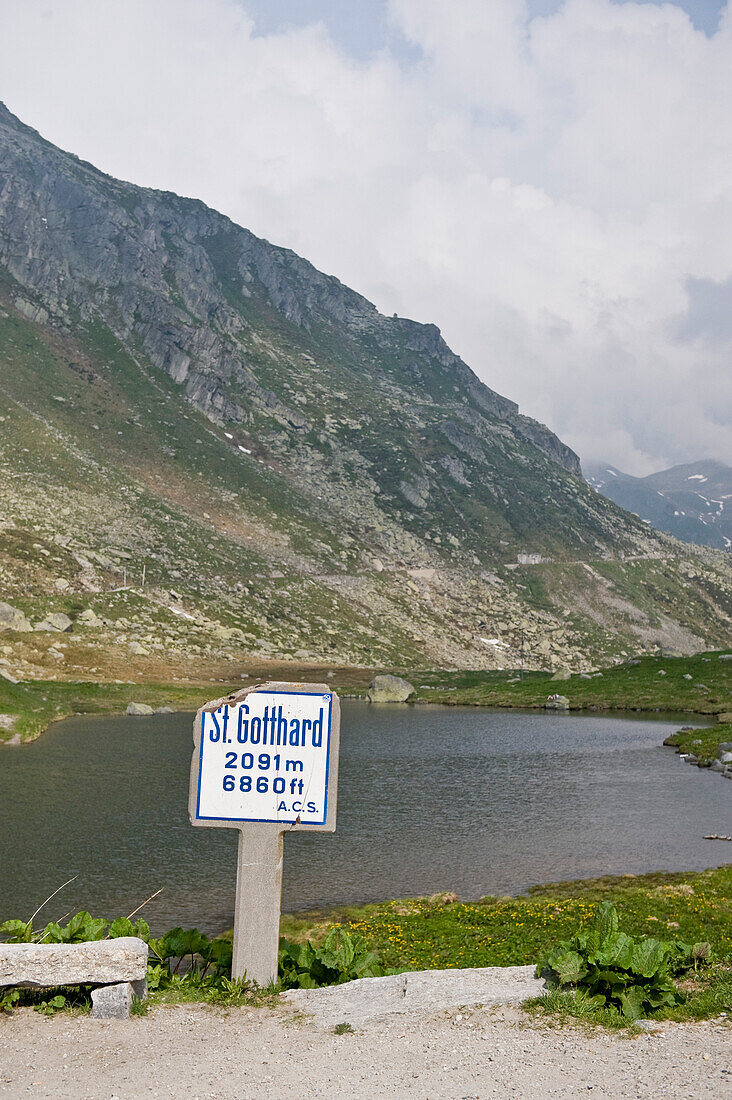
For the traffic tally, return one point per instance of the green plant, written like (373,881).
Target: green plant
(343,1029)
(50,1008)
(80,929)
(8,999)
(341,958)
(17,931)
(214,955)
(610,968)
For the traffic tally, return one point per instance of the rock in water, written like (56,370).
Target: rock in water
(139,709)
(389,689)
(557,702)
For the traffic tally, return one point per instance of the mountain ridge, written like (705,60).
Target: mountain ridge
(298,474)
(672,500)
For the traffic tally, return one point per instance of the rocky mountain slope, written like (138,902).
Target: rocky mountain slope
(692,502)
(209,450)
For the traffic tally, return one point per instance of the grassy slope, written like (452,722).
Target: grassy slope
(647,683)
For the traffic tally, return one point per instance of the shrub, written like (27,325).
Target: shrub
(611,968)
(341,958)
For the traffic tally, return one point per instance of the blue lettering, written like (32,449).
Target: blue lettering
(255,728)
(242,733)
(294,731)
(318,730)
(214,736)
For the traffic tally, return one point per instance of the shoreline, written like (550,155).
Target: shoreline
(671,685)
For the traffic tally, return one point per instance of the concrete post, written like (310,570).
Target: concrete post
(258,899)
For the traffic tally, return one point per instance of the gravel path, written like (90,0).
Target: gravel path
(193,1051)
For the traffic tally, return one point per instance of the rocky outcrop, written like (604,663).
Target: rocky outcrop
(13,619)
(56,622)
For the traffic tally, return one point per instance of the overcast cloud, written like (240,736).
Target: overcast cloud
(554,192)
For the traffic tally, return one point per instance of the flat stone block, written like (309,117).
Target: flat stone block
(46,964)
(421,991)
(112,1002)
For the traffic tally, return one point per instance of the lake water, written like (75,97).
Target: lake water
(431,798)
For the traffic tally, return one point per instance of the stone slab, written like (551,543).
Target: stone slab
(419,992)
(112,1002)
(39,965)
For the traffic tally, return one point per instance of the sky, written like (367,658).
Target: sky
(549,181)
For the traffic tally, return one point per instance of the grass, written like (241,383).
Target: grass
(442,933)
(37,703)
(701,684)
(704,744)
(708,994)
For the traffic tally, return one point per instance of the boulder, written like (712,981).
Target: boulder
(389,689)
(725,657)
(164,710)
(39,965)
(56,622)
(13,619)
(557,702)
(563,674)
(138,650)
(139,709)
(726,758)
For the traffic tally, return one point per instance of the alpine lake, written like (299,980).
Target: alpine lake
(430,798)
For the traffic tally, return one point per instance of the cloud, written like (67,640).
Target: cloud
(553,191)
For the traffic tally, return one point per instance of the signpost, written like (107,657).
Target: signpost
(265,760)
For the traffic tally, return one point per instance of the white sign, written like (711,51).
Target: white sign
(265,759)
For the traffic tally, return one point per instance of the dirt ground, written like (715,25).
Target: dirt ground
(194,1052)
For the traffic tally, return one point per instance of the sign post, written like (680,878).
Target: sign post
(265,761)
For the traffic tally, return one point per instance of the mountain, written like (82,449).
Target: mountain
(210,450)
(692,502)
